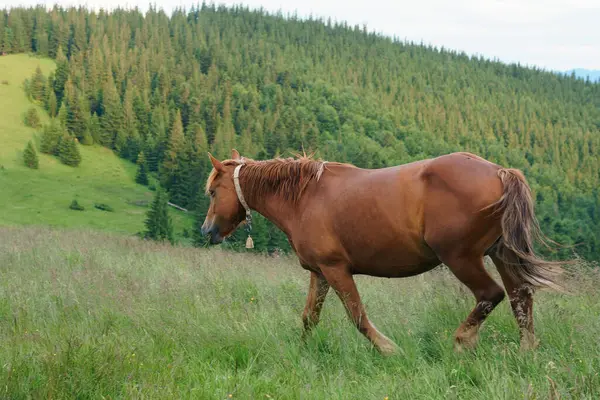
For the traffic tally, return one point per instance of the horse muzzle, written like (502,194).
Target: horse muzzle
(213,231)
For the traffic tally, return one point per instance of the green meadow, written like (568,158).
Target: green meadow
(91,315)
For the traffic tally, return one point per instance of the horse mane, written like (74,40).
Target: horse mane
(286,178)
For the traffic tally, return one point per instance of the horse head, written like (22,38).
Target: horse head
(226,211)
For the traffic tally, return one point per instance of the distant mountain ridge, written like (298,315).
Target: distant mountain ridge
(594,74)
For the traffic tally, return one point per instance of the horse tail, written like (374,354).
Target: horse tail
(520,230)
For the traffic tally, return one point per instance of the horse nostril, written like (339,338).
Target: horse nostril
(211,229)
(204,229)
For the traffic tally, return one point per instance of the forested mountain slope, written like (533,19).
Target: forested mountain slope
(213,78)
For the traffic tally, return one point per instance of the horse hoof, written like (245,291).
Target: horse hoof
(388,349)
(460,348)
(463,344)
(466,339)
(529,342)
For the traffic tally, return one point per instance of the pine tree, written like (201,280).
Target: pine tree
(68,151)
(2,28)
(32,118)
(120,143)
(142,114)
(61,75)
(87,139)
(200,144)
(7,45)
(174,149)
(152,153)
(50,102)
(20,41)
(51,137)
(128,141)
(42,45)
(225,133)
(277,142)
(181,183)
(158,222)
(245,145)
(141,176)
(94,128)
(77,114)
(38,86)
(63,115)
(112,113)
(30,156)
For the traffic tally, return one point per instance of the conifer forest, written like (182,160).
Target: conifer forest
(161,91)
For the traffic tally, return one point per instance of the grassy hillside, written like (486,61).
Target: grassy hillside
(87,315)
(42,197)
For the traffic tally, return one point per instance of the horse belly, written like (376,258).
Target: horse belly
(395,265)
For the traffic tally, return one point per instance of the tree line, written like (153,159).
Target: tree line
(163,90)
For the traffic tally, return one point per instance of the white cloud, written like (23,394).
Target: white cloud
(553,34)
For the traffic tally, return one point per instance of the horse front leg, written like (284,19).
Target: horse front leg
(343,283)
(317,292)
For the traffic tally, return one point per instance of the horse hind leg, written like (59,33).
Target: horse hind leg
(521,302)
(488,294)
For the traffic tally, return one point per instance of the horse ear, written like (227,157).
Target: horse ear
(216,163)
(235,155)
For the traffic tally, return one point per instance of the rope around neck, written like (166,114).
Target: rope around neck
(240,195)
(238,189)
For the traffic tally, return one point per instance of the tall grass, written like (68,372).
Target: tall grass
(88,315)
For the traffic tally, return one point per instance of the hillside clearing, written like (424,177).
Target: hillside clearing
(42,197)
(89,315)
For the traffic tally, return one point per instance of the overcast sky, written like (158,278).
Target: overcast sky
(552,34)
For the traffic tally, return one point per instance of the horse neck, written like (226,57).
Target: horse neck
(273,208)
(281,212)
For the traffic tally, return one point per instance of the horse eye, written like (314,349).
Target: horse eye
(212,193)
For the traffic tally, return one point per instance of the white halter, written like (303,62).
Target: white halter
(238,190)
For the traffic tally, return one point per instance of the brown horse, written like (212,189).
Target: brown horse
(400,221)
